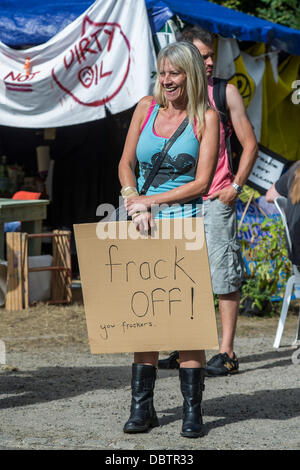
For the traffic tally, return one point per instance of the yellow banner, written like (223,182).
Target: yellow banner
(281,117)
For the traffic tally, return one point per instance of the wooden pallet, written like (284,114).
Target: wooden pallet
(17,296)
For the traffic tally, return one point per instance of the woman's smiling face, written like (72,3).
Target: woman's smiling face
(173,81)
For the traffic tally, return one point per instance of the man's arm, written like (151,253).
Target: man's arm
(244,133)
(246,136)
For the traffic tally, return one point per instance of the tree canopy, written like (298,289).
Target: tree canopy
(285,12)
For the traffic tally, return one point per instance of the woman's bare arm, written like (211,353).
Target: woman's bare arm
(128,159)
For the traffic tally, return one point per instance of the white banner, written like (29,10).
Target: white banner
(105,58)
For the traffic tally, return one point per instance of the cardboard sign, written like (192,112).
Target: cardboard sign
(146,293)
(267,169)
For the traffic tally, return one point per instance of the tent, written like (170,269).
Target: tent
(35,22)
(226,22)
(86,151)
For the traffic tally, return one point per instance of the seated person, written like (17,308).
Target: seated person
(288,186)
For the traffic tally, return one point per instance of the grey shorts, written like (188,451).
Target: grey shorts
(224,252)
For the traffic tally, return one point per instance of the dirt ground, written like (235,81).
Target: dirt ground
(55,395)
(48,326)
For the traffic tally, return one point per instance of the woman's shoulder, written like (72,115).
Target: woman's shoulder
(211,116)
(146,102)
(144,107)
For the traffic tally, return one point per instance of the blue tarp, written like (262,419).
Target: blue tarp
(36,21)
(226,22)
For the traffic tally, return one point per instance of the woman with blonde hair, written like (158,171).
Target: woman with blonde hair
(288,186)
(180,95)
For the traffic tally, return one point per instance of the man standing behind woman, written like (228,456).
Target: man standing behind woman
(220,218)
(184,177)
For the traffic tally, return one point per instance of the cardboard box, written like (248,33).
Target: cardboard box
(146,293)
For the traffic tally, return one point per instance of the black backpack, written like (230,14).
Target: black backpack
(234,148)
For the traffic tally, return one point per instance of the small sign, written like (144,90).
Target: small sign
(267,169)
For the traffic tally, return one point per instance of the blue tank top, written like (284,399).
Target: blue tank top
(178,168)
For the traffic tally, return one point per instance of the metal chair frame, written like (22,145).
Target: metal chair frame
(293,283)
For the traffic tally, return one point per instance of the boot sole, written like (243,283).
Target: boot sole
(192,434)
(141,429)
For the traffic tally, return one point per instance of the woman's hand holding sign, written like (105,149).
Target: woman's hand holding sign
(138,208)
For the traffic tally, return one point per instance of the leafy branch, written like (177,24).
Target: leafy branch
(269,263)
(285,12)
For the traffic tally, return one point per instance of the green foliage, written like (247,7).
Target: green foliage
(270,266)
(285,12)
(216,301)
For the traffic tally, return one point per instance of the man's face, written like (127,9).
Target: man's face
(208,54)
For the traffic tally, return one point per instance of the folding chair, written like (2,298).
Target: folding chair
(293,283)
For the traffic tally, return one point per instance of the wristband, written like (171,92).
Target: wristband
(239,189)
(129,191)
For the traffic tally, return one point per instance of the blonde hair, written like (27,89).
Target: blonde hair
(295,187)
(186,58)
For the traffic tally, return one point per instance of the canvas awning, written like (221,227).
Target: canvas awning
(226,22)
(36,22)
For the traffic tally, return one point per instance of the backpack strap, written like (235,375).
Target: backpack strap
(219,94)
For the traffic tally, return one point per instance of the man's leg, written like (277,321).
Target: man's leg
(229,309)
(226,361)
(225,260)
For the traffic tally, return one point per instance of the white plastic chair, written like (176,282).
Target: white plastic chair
(293,283)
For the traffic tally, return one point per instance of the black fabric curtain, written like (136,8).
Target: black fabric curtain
(86,165)
(86,168)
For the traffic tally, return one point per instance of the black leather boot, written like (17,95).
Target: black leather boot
(171,362)
(142,412)
(192,385)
